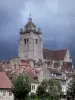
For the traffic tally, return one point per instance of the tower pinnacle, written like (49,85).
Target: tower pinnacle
(30,19)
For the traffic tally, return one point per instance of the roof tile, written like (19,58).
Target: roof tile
(5,83)
(54,55)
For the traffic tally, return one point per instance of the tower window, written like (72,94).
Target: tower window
(36,41)
(25,41)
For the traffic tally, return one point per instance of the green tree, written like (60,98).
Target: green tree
(33,96)
(71,89)
(41,92)
(50,88)
(54,87)
(21,86)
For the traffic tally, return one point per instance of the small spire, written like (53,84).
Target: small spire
(30,19)
(39,29)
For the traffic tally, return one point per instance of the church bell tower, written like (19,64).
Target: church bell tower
(30,42)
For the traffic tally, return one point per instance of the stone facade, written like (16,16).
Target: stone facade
(30,43)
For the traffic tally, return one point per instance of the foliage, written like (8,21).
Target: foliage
(33,96)
(21,86)
(54,87)
(71,88)
(50,88)
(40,91)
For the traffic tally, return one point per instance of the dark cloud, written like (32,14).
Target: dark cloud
(55,17)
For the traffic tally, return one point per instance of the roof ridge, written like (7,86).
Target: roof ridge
(55,50)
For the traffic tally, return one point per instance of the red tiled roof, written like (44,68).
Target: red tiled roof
(5,83)
(54,55)
(32,69)
(29,24)
(28,69)
(30,74)
(7,68)
(24,63)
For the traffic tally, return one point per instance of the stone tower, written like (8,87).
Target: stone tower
(30,42)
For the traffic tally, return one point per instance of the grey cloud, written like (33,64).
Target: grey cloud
(55,17)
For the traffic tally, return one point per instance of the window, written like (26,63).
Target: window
(25,41)
(10,93)
(32,87)
(36,41)
(63,82)
(4,92)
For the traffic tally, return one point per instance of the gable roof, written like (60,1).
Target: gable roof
(54,55)
(5,83)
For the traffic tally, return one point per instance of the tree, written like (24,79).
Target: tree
(33,96)
(54,88)
(21,86)
(41,92)
(71,89)
(50,88)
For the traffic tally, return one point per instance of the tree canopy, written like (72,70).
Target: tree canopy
(71,89)
(21,86)
(49,87)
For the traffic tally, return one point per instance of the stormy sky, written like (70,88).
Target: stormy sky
(56,18)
